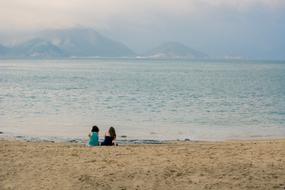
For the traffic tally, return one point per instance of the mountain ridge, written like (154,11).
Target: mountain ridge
(86,42)
(175,50)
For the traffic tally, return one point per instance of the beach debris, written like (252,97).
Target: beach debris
(186,139)
(1,132)
(73,141)
(123,136)
(137,141)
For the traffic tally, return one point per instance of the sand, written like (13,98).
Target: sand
(187,165)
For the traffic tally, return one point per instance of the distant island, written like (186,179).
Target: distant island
(88,43)
(175,50)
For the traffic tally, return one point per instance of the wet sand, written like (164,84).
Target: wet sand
(179,165)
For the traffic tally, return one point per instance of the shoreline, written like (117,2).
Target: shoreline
(73,140)
(258,164)
(124,140)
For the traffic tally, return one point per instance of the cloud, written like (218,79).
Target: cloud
(61,13)
(246,4)
(238,27)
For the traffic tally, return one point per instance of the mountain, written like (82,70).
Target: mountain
(4,51)
(173,50)
(72,42)
(37,48)
(85,42)
(82,42)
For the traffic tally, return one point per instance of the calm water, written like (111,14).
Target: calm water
(143,99)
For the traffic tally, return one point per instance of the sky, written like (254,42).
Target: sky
(234,28)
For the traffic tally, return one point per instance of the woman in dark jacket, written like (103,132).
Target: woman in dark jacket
(110,137)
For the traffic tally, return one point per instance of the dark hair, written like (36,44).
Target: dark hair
(95,129)
(112,132)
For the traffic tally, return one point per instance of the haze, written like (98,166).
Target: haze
(236,28)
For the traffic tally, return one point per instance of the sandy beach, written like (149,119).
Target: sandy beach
(178,165)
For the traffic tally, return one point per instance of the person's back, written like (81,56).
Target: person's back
(110,137)
(108,141)
(94,136)
(94,139)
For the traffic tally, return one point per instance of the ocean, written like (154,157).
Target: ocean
(143,99)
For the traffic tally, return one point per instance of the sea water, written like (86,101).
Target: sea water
(143,99)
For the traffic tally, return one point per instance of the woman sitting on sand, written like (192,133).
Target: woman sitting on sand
(110,137)
(94,137)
